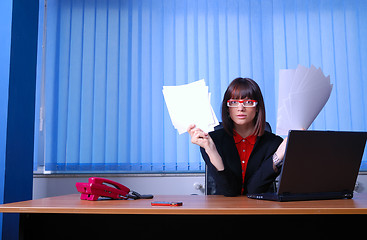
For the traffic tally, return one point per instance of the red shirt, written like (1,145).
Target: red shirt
(244,148)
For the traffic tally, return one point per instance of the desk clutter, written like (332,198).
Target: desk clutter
(101,188)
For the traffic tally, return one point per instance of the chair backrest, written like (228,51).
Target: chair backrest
(210,187)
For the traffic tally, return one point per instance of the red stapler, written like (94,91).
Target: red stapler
(102,187)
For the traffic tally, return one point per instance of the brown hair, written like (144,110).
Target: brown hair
(241,88)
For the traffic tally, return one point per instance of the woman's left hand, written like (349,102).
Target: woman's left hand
(281,149)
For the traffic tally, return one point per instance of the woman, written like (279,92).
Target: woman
(242,157)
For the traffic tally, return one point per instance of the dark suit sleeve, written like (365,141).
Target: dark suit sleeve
(226,182)
(231,184)
(264,176)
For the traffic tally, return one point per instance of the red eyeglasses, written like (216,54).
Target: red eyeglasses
(245,103)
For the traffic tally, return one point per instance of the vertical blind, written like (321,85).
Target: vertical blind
(105,62)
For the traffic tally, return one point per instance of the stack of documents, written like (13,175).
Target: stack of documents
(190,104)
(303,92)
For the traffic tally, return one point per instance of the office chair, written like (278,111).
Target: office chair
(210,187)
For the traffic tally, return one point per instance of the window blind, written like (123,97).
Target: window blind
(105,62)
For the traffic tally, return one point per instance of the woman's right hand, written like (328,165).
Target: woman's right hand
(203,139)
(199,137)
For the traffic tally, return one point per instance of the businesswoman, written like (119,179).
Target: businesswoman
(242,157)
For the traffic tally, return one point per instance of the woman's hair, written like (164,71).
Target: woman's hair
(241,88)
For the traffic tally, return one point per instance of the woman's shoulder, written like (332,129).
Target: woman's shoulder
(271,137)
(219,134)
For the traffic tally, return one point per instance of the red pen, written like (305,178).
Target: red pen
(172,204)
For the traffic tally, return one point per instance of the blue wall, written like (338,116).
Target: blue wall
(18,54)
(5,39)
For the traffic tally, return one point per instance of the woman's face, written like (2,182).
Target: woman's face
(242,116)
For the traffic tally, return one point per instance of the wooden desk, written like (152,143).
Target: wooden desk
(198,213)
(192,205)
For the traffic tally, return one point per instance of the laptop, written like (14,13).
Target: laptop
(319,165)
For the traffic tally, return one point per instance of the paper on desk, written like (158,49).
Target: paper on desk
(303,92)
(190,104)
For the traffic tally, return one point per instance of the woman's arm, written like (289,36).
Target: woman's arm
(265,174)
(202,139)
(279,155)
(226,181)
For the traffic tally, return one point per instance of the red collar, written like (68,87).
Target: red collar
(237,138)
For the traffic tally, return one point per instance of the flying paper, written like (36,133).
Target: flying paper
(303,92)
(190,104)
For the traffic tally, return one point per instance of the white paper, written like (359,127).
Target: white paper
(190,104)
(298,77)
(283,118)
(306,105)
(303,92)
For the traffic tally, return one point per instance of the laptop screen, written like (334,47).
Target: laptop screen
(321,161)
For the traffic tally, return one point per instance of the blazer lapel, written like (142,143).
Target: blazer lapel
(232,156)
(253,159)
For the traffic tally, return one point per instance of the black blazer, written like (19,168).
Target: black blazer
(259,173)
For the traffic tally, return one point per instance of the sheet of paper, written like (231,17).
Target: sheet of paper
(305,108)
(303,92)
(190,104)
(298,77)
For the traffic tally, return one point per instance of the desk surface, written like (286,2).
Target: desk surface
(193,205)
